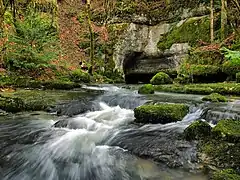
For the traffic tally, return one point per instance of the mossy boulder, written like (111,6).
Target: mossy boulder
(215,97)
(161,113)
(228,130)
(230,69)
(201,73)
(79,76)
(226,174)
(197,130)
(11,104)
(161,78)
(146,89)
(238,77)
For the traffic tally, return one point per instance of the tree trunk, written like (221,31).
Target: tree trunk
(91,32)
(212,21)
(1,15)
(223,18)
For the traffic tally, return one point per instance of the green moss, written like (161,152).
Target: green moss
(221,153)
(198,90)
(215,97)
(200,73)
(162,113)
(204,57)
(228,130)
(197,130)
(10,104)
(221,88)
(238,77)
(146,89)
(161,78)
(226,174)
(191,31)
(230,69)
(79,76)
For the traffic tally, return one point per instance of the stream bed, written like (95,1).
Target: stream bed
(104,143)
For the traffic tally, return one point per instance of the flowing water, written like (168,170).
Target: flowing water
(101,144)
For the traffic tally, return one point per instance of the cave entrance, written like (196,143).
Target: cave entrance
(132,70)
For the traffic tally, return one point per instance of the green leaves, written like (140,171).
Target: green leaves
(233,56)
(33,45)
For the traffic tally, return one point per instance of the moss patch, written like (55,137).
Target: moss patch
(238,77)
(226,174)
(191,31)
(162,113)
(221,88)
(146,89)
(228,130)
(197,130)
(161,78)
(215,97)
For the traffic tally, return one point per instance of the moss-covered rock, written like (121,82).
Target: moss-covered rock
(197,130)
(79,76)
(161,78)
(11,104)
(228,130)
(238,77)
(161,113)
(226,174)
(146,89)
(206,89)
(191,31)
(215,97)
(230,69)
(201,73)
(198,90)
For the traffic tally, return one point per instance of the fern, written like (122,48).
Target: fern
(233,56)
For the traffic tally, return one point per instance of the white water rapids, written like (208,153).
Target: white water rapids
(89,146)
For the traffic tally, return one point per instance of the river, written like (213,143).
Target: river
(103,143)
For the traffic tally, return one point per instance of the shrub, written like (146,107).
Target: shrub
(146,89)
(161,78)
(33,45)
(161,113)
(215,97)
(238,77)
(79,76)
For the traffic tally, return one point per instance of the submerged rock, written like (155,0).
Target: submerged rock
(215,97)
(146,89)
(197,130)
(161,113)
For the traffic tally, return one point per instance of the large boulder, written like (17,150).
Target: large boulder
(161,113)
(161,78)
(197,130)
(146,89)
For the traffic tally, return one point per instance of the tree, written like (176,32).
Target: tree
(1,15)
(90,32)
(212,21)
(223,18)
(33,45)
